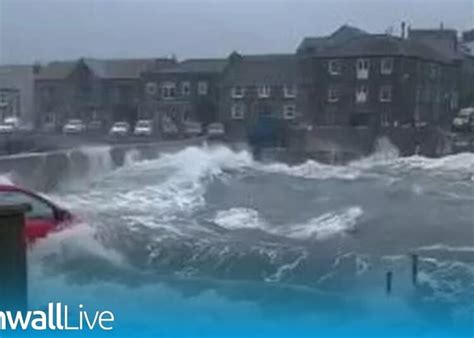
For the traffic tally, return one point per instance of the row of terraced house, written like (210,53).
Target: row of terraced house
(349,78)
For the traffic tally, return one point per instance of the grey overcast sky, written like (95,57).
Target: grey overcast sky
(43,30)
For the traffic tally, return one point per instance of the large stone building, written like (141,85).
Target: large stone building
(183,91)
(352,78)
(91,89)
(255,87)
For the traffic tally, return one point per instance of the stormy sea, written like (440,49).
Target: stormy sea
(207,241)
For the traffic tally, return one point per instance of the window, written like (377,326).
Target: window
(151,88)
(386,93)
(238,92)
(202,88)
(334,67)
(238,111)
(333,94)
(289,111)
(385,120)
(386,66)
(434,71)
(289,91)
(361,94)
(263,91)
(39,208)
(362,68)
(186,88)
(168,90)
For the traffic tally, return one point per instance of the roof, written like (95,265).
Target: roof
(197,66)
(275,69)
(444,41)
(341,35)
(56,70)
(383,45)
(106,69)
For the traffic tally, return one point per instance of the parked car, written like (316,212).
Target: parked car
(12,120)
(143,128)
(464,120)
(215,130)
(192,129)
(169,129)
(120,129)
(95,126)
(74,126)
(43,217)
(6,128)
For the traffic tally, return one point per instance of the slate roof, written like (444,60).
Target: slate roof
(56,70)
(273,69)
(444,41)
(384,45)
(341,35)
(105,69)
(197,66)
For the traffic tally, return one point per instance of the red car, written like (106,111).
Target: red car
(43,217)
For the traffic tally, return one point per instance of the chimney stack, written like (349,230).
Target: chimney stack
(403,29)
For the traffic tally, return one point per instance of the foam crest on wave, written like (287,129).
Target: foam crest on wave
(319,228)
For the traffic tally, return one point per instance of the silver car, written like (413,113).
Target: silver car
(120,129)
(74,126)
(143,128)
(192,129)
(215,130)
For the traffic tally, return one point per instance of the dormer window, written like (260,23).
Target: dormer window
(168,90)
(334,67)
(386,66)
(362,68)
(238,92)
(263,91)
(362,94)
(289,91)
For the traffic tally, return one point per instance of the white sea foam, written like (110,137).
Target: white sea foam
(327,225)
(319,228)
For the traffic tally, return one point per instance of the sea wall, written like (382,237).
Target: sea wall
(46,171)
(342,144)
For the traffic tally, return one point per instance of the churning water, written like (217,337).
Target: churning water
(209,233)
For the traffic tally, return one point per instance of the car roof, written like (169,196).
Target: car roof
(11,187)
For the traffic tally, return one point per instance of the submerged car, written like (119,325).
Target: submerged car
(120,129)
(143,128)
(74,126)
(42,218)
